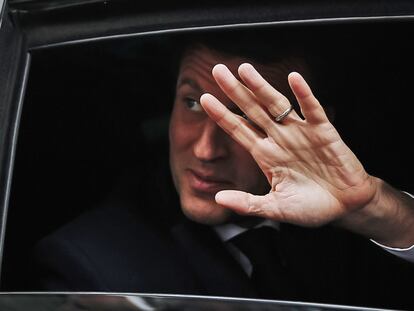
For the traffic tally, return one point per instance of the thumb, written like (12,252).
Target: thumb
(245,203)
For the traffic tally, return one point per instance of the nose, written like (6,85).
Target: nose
(212,144)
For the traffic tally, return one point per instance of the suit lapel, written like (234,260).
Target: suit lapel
(216,270)
(314,261)
(305,260)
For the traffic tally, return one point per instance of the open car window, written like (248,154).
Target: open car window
(95,114)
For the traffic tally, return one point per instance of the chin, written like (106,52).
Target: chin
(205,212)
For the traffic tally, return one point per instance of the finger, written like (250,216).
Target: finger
(242,97)
(248,204)
(309,105)
(274,101)
(237,127)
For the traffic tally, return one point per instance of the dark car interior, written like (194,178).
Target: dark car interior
(98,110)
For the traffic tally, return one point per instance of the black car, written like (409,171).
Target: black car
(81,97)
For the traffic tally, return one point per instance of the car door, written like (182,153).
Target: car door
(30,26)
(13,71)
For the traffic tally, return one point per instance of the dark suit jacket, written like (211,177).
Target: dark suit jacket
(115,249)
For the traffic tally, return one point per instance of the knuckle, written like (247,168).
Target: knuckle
(233,86)
(252,207)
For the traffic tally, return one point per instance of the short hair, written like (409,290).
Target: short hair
(273,50)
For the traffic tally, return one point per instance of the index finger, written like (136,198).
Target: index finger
(237,127)
(242,97)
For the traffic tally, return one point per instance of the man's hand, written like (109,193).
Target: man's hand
(315,178)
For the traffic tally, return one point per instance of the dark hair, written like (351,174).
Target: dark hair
(264,45)
(272,49)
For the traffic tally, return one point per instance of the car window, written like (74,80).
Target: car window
(96,111)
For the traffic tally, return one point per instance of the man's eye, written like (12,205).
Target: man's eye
(193,104)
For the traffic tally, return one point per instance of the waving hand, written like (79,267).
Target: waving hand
(315,178)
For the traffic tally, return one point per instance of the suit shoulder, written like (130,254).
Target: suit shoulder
(108,248)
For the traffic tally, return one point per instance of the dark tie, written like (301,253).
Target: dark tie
(261,247)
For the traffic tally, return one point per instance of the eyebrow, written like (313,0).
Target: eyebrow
(189,82)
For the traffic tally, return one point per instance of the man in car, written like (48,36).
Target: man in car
(297,173)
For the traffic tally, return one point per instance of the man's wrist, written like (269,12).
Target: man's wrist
(398,231)
(388,218)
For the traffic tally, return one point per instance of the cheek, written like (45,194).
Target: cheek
(176,131)
(250,176)
(185,128)
(177,159)
(182,135)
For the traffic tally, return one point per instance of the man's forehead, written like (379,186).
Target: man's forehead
(200,60)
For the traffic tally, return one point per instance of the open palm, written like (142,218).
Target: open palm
(315,178)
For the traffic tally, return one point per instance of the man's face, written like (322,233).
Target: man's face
(203,158)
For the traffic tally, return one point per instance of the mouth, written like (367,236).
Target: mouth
(207,183)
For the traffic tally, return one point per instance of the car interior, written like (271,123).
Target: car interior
(95,111)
